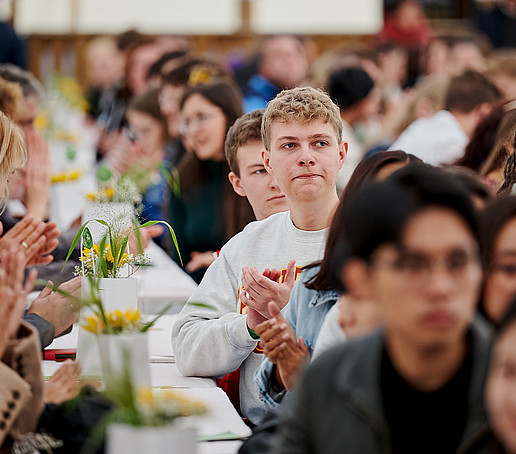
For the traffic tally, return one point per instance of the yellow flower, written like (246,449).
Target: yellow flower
(58,177)
(133,317)
(88,255)
(109,254)
(41,122)
(109,192)
(94,325)
(145,396)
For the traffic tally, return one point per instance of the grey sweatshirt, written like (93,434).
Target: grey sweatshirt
(215,341)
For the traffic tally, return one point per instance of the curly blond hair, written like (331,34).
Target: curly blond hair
(302,104)
(13,151)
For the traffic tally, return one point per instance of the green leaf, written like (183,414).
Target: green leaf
(121,252)
(160,314)
(170,229)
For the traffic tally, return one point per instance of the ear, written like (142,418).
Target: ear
(343,151)
(356,278)
(266,157)
(483,110)
(236,183)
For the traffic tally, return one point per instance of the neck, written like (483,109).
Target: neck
(426,369)
(315,215)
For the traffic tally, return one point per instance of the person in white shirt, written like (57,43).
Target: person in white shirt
(442,138)
(304,150)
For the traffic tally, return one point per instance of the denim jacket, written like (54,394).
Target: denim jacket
(305,312)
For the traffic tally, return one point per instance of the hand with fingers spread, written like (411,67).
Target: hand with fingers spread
(64,384)
(56,308)
(13,292)
(36,239)
(282,348)
(261,288)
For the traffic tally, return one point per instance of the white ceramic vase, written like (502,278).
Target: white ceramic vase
(107,355)
(95,353)
(176,438)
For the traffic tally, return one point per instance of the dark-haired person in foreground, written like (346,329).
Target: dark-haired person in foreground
(410,243)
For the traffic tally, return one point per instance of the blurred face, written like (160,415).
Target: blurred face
(204,126)
(256,183)
(500,284)
(427,289)
(141,60)
(357,317)
(284,61)
(28,113)
(169,98)
(501,389)
(465,56)
(148,131)
(105,66)
(305,158)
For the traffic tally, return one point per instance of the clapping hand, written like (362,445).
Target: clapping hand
(281,347)
(261,288)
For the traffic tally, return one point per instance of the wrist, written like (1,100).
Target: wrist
(254,335)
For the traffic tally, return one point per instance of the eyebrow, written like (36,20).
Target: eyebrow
(255,166)
(313,136)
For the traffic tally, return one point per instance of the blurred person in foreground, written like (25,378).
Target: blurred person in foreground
(411,244)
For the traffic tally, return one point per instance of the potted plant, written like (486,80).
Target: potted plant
(145,419)
(109,308)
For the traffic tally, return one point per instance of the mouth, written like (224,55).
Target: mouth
(276,198)
(440,319)
(307,176)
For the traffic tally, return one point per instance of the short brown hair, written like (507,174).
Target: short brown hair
(246,129)
(469,90)
(301,104)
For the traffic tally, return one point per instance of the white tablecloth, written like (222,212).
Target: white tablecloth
(222,418)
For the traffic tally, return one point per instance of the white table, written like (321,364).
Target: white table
(162,282)
(221,417)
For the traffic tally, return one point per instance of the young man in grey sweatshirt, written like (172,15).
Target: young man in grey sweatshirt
(304,150)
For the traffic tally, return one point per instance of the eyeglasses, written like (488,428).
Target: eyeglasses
(417,267)
(200,119)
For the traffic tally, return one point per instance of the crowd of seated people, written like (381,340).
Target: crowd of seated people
(350,220)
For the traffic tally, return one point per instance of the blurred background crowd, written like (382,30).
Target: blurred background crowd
(149,105)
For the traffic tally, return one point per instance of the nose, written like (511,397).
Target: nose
(439,282)
(306,157)
(272,182)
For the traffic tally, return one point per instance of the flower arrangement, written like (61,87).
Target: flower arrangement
(117,322)
(110,264)
(159,409)
(123,190)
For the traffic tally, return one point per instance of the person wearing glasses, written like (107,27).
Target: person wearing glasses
(204,210)
(411,244)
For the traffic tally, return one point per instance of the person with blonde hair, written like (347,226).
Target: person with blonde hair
(304,150)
